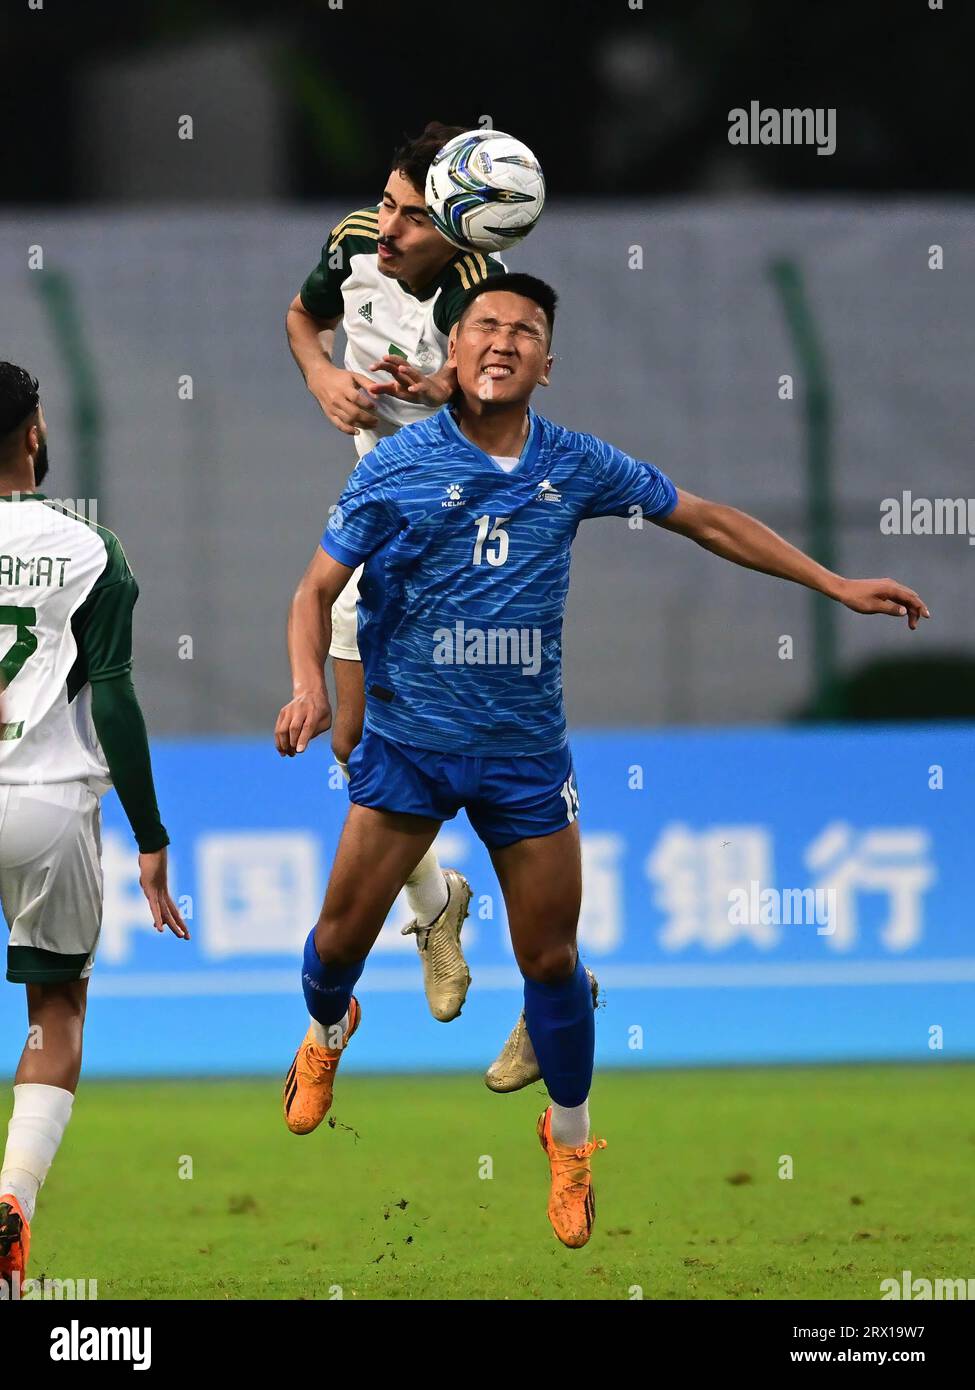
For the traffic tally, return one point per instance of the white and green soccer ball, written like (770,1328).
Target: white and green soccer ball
(485,190)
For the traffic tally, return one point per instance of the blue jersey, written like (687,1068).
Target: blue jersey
(466,575)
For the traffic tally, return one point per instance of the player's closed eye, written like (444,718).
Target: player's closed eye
(521,330)
(416,215)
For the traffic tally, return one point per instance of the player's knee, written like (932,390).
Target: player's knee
(65,1002)
(549,964)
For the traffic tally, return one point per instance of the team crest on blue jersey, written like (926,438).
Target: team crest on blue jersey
(454,498)
(547,493)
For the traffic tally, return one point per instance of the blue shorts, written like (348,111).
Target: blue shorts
(506,799)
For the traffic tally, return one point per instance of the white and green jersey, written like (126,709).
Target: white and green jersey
(66,600)
(380,315)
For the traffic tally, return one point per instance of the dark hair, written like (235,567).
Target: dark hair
(529,286)
(18,397)
(414,156)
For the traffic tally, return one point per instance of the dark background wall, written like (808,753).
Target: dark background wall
(623,101)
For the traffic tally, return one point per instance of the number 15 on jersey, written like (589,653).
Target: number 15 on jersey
(486,534)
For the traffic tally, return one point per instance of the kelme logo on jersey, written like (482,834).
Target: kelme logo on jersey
(547,493)
(454,498)
(365,311)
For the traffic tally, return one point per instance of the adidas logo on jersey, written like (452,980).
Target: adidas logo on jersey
(366,311)
(547,493)
(454,498)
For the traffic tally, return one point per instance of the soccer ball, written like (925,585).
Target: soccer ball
(485,190)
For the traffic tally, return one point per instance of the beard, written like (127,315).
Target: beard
(41,464)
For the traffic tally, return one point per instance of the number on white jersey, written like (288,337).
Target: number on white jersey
(22,620)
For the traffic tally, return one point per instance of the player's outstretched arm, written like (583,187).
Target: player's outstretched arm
(308,713)
(738,537)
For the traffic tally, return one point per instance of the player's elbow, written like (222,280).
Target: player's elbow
(298,316)
(700,520)
(318,590)
(296,312)
(709,530)
(310,595)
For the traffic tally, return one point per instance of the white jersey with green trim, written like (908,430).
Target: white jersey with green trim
(66,597)
(380,315)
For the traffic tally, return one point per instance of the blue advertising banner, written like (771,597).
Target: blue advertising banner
(750,896)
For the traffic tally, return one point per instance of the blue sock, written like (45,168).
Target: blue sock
(562,1029)
(327,988)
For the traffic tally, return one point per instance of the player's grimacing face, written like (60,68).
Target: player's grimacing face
(501,348)
(410,247)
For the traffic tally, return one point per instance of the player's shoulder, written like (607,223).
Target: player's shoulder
(467,270)
(96,551)
(86,530)
(587,455)
(117,568)
(358,231)
(562,440)
(470,268)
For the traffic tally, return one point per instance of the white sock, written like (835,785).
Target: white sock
(570,1125)
(328,1034)
(41,1114)
(426,889)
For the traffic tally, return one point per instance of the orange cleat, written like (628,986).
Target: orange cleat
(14,1240)
(571,1199)
(311,1077)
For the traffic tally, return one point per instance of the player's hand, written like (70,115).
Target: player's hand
(344,397)
(883,596)
(301,720)
(409,383)
(154,882)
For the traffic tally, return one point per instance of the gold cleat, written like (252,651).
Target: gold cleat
(446,978)
(516,1065)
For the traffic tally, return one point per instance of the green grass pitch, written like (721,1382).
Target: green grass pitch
(390,1202)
